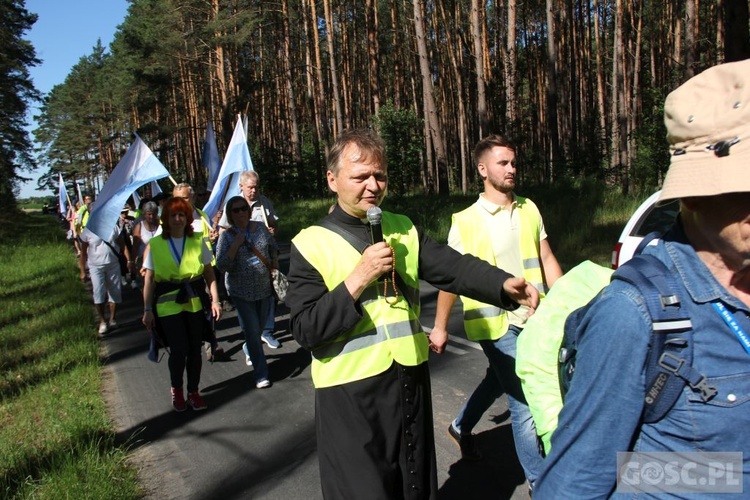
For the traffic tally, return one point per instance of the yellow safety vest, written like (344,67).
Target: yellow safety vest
(206,225)
(386,332)
(167,271)
(484,321)
(83,213)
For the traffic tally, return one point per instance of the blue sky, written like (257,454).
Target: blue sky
(66,31)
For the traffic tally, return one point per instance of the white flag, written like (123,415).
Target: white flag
(237,160)
(138,167)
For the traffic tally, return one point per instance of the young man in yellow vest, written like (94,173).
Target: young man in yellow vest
(507,231)
(372,385)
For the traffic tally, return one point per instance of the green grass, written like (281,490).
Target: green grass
(56,439)
(583,219)
(31,206)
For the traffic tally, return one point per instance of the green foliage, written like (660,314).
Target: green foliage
(56,439)
(297,215)
(429,212)
(583,219)
(652,154)
(401,130)
(75,121)
(16,93)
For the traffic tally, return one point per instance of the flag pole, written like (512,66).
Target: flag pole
(223,196)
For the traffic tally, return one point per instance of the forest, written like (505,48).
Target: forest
(579,85)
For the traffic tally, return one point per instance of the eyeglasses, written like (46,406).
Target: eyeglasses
(243,208)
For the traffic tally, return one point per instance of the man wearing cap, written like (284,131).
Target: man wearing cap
(708,253)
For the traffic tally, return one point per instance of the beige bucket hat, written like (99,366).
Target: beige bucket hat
(708,128)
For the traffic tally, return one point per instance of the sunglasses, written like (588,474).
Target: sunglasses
(237,210)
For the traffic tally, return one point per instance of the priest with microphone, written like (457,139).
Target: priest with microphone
(354,303)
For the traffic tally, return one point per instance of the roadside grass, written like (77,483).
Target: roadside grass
(56,438)
(583,219)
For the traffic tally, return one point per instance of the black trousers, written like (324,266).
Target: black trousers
(376,438)
(184,334)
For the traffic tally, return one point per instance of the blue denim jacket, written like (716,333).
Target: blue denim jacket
(602,411)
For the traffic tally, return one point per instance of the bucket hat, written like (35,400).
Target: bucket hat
(708,128)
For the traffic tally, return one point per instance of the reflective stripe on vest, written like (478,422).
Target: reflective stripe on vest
(385,332)
(483,321)
(166,270)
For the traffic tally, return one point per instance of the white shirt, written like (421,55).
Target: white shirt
(98,253)
(504,230)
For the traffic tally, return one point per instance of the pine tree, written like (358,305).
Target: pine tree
(16,93)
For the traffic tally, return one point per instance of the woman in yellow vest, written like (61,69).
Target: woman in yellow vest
(177,263)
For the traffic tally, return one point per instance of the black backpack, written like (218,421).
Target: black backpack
(669,363)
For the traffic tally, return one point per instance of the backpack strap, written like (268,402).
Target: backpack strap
(669,363)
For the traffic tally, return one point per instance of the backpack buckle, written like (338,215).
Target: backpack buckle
(671,363)
(707,391)
(669,300)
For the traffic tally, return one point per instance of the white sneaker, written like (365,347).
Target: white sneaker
(263,384)
(113,324)
(248,361)
(270,341)
(134,285)
(102,328)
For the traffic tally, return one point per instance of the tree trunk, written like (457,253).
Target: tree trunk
(312,102)
(462,125)
(552,125)
(430,111)
(510,65)
(619,118)
(373,53)
(690,32)
(476,35)
(291,104)
(333,69)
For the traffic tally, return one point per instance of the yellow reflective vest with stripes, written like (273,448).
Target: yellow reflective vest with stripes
(166,270)
(386,331)
(484,321)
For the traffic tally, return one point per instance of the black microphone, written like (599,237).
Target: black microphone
(374,217)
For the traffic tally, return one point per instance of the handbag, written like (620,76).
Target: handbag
(123,261)
(279,283)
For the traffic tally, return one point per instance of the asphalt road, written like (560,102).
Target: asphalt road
(253,443)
